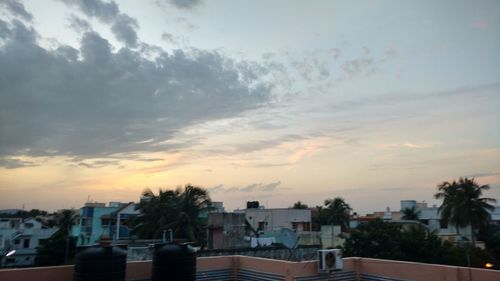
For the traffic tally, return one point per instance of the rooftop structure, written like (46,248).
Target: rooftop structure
(229,268)
(97,219)
(24,237)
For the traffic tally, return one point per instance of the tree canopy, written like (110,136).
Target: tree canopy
(410,214)
(384,240)
(299,205)
(60,247)
(463,205)
(178,210)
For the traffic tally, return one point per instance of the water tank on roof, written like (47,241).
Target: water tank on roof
(100,263)
(253,204)
(174,263)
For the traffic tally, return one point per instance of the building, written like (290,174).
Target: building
(97,219)
(430,217)
(23,237)
(227,230)
(261,219)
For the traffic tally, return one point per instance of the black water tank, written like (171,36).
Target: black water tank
(100,263)
(174,263)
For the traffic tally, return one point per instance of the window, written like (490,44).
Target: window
(443,224)
(262,225)
(307,226)
(295,225)
(16,242)
(26,243)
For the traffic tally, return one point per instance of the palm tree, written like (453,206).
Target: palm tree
(60,247)
(462,204)
(65,220)
(157,212)
(337,212)
(178,210)
(411,214)
(193,201)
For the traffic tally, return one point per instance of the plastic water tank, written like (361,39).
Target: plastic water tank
(174,263)
(100,263)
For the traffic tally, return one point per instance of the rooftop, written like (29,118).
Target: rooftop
(228,268)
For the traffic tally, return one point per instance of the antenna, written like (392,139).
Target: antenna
(289,239)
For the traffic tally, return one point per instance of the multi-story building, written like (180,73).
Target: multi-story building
(22,237)
(97,219)
(431,217)
(262,219)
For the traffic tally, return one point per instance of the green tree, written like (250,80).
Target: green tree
(411,214)
(463,205)
(157,213)
(60,247)
(189,224)
(384,240)
(179,210)
(299,205)
(336,212)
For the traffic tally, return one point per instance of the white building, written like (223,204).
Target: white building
(275,219)
(430,217)
(24,237)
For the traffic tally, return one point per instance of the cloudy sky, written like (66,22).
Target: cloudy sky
(276,101)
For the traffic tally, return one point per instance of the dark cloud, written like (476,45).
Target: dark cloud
(124,29)
(271,186)
(123,26)
(17,9)
(167,37)
(79,24)
(92,101)
(105,11)
(13,163)
(184,4)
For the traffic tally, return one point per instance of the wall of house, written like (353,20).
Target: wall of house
(275,219)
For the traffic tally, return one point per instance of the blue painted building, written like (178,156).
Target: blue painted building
(97,219)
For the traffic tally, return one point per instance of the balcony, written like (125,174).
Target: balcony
(228,268)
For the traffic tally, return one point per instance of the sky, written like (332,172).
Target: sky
(275,101)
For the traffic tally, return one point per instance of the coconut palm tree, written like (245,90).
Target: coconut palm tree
(192,201)
(157,212)
(178,210)
(463,205)
(65,220)
(337,212)
(411,213)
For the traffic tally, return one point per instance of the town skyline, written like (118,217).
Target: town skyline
(270,101)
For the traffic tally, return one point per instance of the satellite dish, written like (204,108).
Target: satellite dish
(289,239)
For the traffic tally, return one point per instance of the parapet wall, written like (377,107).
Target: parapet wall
(229,268)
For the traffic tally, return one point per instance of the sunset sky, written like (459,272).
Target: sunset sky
(275,101)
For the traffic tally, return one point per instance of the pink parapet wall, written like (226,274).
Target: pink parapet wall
(289,270)
(422,271)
